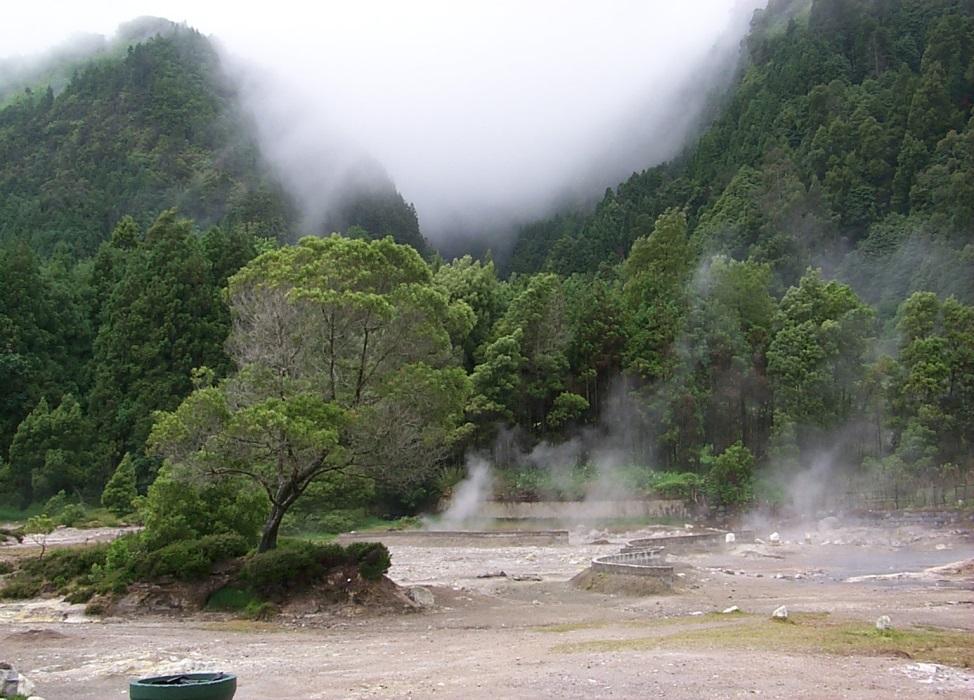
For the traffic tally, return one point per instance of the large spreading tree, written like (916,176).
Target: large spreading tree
(344,365)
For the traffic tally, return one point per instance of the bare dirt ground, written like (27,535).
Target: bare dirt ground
(499,638)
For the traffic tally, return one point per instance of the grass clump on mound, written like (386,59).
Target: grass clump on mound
(622,584)
(298,565)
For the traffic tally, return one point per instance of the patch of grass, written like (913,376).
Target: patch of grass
(651,623)
(232,599)
(809,633)
(246,626)
(12,514)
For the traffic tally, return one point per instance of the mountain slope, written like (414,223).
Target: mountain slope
(849,129)
(137,131)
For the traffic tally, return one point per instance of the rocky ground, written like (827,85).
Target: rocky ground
(490,636)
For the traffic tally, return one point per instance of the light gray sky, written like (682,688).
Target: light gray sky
(471,106)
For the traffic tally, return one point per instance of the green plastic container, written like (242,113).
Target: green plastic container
(185,686)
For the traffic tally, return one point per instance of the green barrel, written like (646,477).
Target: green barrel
(185,686)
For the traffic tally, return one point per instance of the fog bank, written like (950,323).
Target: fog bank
(483,114)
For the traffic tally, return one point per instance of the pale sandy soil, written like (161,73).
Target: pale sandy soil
(492,637)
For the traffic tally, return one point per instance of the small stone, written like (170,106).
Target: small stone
(732,609)
(883,623)
(729,538)
(421,596)
(774,538)
(780,613)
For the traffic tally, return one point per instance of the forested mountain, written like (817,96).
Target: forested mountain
(793,296)
(847,142)
(151,124)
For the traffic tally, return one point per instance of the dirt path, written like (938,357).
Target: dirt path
(496,638)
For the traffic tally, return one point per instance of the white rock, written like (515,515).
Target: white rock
(774,538)
(13,683)
(731,609)
(883,623)
(780,613)
(808,538)
(421,596)
(829,523)
(729,538)
(687,526)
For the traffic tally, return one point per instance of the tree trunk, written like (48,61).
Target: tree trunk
(268,534)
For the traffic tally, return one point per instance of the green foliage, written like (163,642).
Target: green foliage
(232,599)
(343,355)
(134,132)
(685,486)
(189,560)
(120,491)
(177,510)
(52,450)
(729,483)
(296,566)
(567,407)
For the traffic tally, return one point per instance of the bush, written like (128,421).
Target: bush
(685,486)
(232,599)
(287,567)
(21,587)
(188,560)
(183,560)
(729,481)
(64,565)
(120,491)
(298,565)
(175,510)
(56,504)
(372,557)
(5,568)
(72,515)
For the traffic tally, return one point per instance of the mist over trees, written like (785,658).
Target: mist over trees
(793,294)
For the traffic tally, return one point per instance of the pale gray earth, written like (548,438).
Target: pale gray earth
(493,637)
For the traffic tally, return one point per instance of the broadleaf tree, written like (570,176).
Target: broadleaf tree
(344,366)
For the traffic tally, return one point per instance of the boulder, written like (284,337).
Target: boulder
(13,683)
(423,597)
(774,538)
(829,523)
(883,623)
(729,538)
(780,613)
(732,609)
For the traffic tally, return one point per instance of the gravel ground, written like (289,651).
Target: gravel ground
(493,637)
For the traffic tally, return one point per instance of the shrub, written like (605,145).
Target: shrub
(66,565)
(372,557)
(56,504)
(298,565)
(72,514)
(287,567)
(685,486)
(232,599)
(120,491)
(729,481)
(5,568)
(183,559)
(21,587)
(175,510)
(186,560)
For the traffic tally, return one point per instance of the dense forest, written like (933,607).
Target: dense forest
(793,295)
